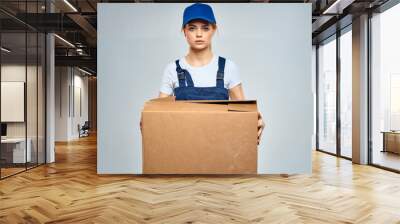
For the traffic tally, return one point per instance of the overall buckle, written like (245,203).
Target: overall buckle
(181,75)
(220,75)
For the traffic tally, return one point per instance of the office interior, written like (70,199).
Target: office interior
(29,56)
(334,91)
(49,93)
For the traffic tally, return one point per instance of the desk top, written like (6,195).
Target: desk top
(391,132)
(13,140)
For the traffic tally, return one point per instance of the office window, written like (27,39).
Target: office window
(314,83)
(327,96)
(395,101)
(385,91)
(346,93)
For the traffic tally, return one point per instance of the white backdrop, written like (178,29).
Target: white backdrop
(270,43)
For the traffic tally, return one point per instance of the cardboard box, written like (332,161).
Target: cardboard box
(199,137)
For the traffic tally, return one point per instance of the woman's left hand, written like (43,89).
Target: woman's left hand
(261,126)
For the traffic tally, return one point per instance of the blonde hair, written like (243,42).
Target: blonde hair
(214,26)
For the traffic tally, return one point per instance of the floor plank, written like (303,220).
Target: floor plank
(70,191)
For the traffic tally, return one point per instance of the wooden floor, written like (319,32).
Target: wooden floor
(70,191)
(386,159)
(5,172)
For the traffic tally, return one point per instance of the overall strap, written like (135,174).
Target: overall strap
(183,76)
(220,73)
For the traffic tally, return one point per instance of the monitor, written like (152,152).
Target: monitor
(3,129)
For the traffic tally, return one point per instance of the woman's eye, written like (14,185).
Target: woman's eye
(206,28)
(191,28)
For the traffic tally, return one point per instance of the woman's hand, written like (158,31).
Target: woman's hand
(141,121)
(236,93)
(261,126)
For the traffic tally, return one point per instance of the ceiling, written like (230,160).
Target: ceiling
(76,22)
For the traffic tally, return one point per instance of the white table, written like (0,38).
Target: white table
(18,149)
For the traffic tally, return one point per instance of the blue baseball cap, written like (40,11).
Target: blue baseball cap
(198,11)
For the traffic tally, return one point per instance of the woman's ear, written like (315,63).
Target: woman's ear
(183,31)
(214,26)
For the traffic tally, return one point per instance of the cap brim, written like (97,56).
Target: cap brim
(199,18)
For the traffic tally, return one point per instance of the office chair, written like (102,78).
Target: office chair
(84,130)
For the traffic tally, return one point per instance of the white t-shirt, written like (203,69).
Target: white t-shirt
(204,76)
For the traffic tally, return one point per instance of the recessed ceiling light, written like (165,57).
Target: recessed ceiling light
(65,41)
(70,5)
(337,7)
(5,50)
(84,71)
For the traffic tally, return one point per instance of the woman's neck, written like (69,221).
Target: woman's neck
(199,58)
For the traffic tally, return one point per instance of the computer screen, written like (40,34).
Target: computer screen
(3,129)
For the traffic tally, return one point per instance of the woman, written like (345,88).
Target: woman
(201,75)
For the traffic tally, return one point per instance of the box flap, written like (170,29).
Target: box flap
(181,106)
(221,101)
(169,104)
(245,107)
(233,105)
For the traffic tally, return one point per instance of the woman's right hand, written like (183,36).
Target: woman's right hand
(261,126)
(141,121)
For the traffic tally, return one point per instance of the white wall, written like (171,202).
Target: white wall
(271,44)
(68,81)
(12,73)
(62,81)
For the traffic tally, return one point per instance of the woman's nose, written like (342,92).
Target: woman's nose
(199,33)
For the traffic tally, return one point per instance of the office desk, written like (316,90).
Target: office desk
(391,141)
(13,150)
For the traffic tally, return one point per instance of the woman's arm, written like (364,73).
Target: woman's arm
(162,95)
(236,93)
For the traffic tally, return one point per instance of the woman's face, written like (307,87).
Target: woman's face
(199,34)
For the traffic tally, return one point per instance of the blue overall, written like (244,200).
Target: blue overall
(187,90)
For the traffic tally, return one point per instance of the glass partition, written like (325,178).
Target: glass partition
(22,77)
(346,93)
(13,104)
(327,96)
